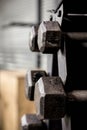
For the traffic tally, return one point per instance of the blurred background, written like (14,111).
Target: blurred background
(16,19)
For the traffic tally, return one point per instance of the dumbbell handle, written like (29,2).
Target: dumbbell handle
(81,36)
(77,95)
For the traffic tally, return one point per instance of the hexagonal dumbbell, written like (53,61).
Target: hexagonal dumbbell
(50,98)
(49,36)
(31,78)
(33,39)
(32,122)
(52,102)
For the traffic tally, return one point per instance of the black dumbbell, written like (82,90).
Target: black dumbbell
(50,98)
(31,78)
(52,102)
(33,39)
(32,122)
(49,36)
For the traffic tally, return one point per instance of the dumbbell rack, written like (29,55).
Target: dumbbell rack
(69,50)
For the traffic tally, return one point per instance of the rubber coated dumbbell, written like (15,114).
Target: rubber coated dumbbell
(32,122)
(50,98)
(49,36)
(33,39)
(31,78)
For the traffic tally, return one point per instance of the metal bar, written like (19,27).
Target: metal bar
(77,95)
(71,14)
(55,65)
(81,36)
(39,14)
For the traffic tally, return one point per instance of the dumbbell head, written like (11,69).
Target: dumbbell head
(32,122)
(50,98)
(31,78)
(49,36)
(33,39)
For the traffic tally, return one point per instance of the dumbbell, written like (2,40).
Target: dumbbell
(49,36)
(50,98)
(31,78)
(33,39)
(51,101)
(32,122)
